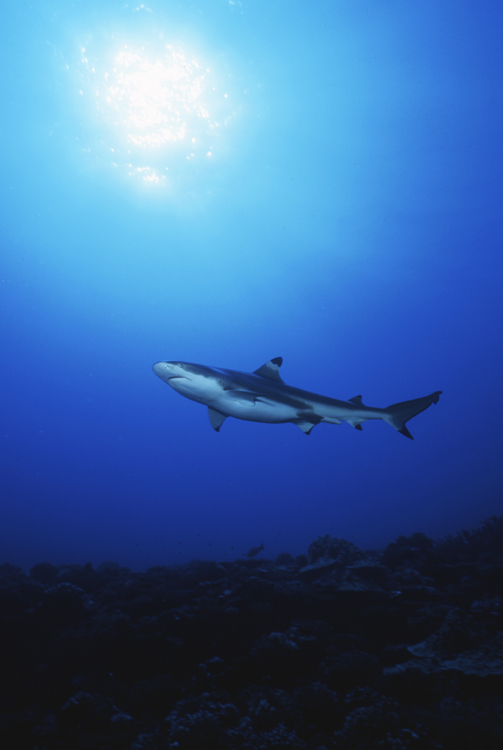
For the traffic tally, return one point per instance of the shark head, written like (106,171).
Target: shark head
(196,382)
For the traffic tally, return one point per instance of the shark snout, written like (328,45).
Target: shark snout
(164,370)
(161,369)
(169,371)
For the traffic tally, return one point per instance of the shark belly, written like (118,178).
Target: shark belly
(253,407)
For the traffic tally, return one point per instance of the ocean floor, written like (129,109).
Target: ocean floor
(338,649)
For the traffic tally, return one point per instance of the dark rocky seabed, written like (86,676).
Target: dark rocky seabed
(340,649)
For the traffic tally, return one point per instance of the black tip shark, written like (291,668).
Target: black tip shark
(262,396)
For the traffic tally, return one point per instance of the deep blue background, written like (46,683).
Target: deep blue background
(349,220)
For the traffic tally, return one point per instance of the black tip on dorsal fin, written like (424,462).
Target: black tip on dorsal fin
(355,400)
(271,369)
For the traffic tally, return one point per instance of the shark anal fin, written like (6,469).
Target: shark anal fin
(356,422)
(216,418)
(355,400)
(271,369)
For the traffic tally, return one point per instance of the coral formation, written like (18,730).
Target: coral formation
(336,650)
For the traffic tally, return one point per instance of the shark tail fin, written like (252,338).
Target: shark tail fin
(398,414)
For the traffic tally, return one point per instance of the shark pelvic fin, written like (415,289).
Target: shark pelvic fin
(306,427)
(271,369)
(216,418)
(355,400)
(306,422)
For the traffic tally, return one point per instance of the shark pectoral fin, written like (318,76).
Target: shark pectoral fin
(216,418)
(271,369)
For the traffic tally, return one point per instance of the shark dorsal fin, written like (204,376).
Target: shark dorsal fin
(271,369)
(355,400)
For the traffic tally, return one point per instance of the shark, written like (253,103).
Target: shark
(263,396)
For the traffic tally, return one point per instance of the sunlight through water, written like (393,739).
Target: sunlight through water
(157,109)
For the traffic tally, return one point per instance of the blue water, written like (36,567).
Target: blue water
(340,206)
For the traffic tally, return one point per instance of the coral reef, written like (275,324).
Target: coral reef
(337,650)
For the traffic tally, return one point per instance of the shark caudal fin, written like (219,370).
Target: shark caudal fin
(398,414)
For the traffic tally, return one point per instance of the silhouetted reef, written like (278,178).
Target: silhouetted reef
(338,649)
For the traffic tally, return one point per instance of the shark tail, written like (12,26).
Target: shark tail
(398,414)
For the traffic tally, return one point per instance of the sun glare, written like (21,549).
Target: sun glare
(157,108)
(154,100)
